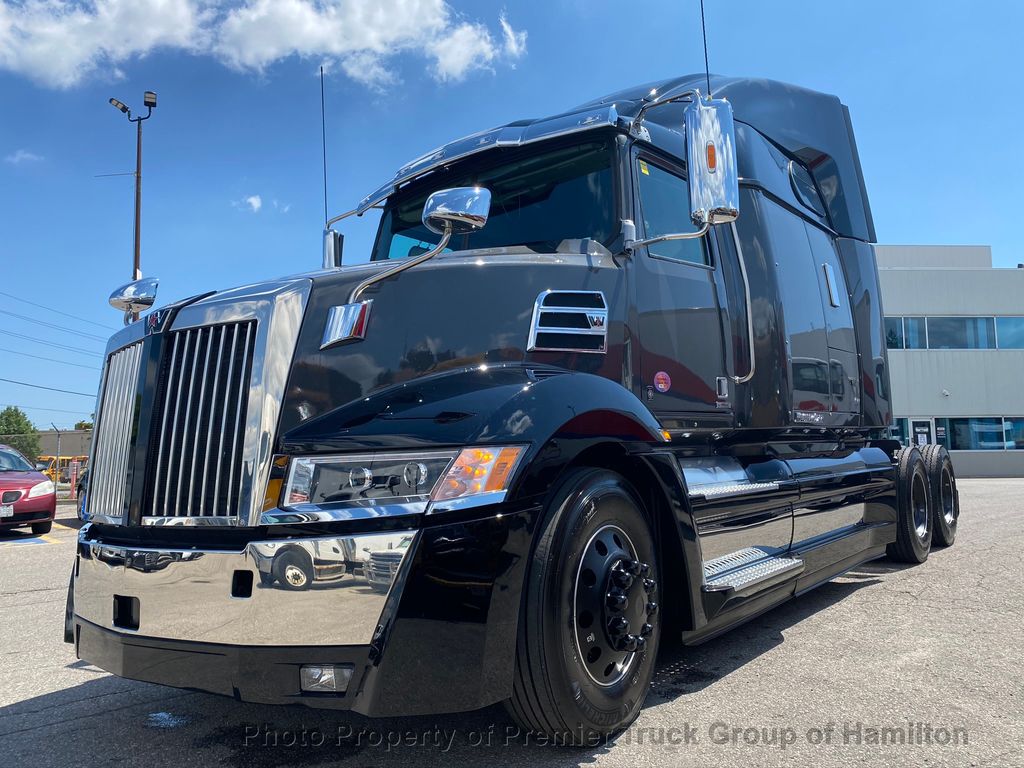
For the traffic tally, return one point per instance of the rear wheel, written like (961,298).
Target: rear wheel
(914,509)
(945,499)
(589,627)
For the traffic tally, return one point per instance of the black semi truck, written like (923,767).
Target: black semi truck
(609,375)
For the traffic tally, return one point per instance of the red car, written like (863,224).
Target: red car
(27,497)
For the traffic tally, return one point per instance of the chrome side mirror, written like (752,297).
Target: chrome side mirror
(135,297)
(334,244)
(711,161)
(457,211)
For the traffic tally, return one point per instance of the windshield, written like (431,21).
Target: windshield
(12,461)
(537,201)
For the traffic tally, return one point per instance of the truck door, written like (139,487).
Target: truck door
(803,317)
(682,362)
(844,381)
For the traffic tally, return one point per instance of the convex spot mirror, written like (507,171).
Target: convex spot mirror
(457,211)
(711,161)
(135,296)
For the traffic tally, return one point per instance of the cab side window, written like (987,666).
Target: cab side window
(665,210)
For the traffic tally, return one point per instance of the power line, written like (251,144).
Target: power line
(51,389)
(93,354)
(53,325)
(50,360)
(57,311)
(40,408)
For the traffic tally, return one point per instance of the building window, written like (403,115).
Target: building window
(985,434)
(1010,331)
(1014,432)
(914,332)
(900,430)
(961,333)
(894,332)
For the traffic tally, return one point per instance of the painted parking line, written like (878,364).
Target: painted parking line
(46,538)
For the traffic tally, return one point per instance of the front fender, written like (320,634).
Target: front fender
(488,404)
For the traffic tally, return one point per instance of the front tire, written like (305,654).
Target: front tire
(914,519)
(293,570)
(590,624)
(38,529)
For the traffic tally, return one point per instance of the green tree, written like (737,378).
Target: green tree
(18,432)
(80,425)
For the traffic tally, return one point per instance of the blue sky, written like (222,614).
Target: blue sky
(232,176)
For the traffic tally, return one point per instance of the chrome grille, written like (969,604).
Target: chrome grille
(115,424)
(195,466)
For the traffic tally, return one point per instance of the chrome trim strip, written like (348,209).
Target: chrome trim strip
(163,423)
(205,521)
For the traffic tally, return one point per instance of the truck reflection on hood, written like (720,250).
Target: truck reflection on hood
(347,561)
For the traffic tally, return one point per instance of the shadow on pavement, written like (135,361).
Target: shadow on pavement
(176,727)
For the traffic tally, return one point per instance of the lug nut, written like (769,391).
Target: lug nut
(645,630)
(618,626)
(632,567)
(644,569)
(641,643)
(652,608)
(617,601)
(630,643)
(621,578)
(650,585)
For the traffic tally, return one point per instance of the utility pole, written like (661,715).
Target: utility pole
(56,464)
(149,101)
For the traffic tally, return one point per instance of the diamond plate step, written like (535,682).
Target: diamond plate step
(749,570)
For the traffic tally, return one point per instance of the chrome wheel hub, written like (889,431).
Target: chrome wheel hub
(614,602)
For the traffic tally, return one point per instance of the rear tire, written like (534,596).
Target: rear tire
(589,624)
(945,498)
(913,509)
(39,529)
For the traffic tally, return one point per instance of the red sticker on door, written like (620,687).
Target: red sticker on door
(662,381)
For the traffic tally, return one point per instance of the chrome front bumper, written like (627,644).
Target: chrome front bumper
(219,596)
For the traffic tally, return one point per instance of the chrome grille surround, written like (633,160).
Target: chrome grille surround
(273,311)
(115,425)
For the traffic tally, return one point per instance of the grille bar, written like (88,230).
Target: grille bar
(112,444)
(203,397)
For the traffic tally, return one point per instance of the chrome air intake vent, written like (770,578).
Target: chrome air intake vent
(569,321)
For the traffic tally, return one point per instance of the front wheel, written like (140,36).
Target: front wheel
(589,626)
(40,528)
(293,570)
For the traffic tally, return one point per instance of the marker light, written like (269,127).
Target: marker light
(712,156)
(479,470)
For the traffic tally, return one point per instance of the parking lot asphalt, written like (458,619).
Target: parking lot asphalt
(887,665)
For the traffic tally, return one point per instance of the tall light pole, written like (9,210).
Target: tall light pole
(149,101)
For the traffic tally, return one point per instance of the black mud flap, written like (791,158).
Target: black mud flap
(69,612)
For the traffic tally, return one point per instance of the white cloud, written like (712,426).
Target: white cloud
(59,43)
(255,202)
(22,156)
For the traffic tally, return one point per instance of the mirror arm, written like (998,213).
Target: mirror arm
(631,245)
(402,265)
(689,95)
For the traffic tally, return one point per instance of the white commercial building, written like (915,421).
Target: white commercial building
(955,331)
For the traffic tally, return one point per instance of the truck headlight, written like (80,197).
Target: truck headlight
(395,478)
(44,488)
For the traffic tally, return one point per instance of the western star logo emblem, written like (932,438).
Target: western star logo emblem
(155,321)
(596,321)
